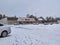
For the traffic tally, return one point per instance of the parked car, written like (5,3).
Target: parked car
(16,23)
(35,23)
(45,23)
(4,30)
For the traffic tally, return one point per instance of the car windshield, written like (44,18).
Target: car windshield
(1,24)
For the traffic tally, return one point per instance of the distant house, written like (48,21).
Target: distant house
(26,20)
(40,20)
(9,20)
(12,20)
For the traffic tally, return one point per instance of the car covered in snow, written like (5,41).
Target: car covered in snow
(4,30)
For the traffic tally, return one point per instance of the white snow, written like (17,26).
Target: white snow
(33,35)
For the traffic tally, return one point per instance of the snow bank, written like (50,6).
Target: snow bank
(33,35)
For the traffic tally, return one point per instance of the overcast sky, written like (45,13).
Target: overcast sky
(36,7)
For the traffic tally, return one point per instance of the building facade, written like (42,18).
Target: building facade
(9,20)
(26,20)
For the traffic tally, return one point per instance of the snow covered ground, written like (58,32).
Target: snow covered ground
(33,35)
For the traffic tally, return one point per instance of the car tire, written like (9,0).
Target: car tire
(4,34)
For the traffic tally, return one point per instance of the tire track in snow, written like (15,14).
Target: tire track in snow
(16,41)
(29,41)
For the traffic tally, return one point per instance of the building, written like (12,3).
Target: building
(26,20)
(12,20)
(40,20)
(9,20)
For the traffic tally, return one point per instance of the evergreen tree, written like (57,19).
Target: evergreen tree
(0,16)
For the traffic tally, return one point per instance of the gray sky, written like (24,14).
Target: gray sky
(36,7)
